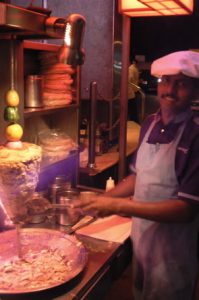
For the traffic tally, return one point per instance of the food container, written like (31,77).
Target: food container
(61,182)
(70,215)
(37,219)
(87,194)
(33,91)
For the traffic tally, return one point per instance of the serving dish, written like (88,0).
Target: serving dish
(50,258)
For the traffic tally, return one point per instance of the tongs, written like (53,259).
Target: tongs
(86,220)
(41,206)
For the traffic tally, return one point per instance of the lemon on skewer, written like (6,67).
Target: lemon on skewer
(14,132)
(12,98)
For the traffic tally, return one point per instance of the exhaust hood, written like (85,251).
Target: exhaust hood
(26,23)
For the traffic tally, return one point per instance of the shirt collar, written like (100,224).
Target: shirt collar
(181,117)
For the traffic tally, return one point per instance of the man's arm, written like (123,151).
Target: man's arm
(169,211)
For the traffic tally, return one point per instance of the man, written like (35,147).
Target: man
(164,185)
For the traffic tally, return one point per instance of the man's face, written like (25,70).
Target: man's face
(175,92)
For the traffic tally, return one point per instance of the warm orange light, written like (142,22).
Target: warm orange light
(144,8)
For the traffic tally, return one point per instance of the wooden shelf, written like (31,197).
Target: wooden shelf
(29,112)
(109,159)
(39,46)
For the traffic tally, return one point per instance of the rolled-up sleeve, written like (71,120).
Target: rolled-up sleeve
(189,177)
(186,160)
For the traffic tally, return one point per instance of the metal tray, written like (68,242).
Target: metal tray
(36,240)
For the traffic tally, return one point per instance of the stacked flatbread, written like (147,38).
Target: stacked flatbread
(19,171)
(56,145)
(58,81)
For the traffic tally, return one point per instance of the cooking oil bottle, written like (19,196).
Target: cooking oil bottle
(110,184)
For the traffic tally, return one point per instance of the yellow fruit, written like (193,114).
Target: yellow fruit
(12,98)
(14,132)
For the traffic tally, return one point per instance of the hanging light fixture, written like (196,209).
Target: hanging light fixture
(144,8)
(71,52)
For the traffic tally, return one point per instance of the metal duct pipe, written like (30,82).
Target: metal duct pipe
(92,124)
(124,96)
(45,3)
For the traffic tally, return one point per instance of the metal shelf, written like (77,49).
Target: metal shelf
(24,23)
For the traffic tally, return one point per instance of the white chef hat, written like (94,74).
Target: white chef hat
(186,62)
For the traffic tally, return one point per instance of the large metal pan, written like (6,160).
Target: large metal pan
(62,249)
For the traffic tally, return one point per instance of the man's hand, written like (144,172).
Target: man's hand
(100,206)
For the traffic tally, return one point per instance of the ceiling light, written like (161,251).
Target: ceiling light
(144,8)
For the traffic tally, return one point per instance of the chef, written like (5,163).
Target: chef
(162,192)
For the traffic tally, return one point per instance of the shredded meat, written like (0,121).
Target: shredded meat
(49,258)
(35,270)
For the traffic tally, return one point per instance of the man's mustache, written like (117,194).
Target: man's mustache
(167,95)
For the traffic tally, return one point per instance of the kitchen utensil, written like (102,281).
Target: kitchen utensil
(40,206)
(60,182)
(65,253)
(88,195)
(71,215)
(64,209)
(38,218)
(86,220)
(33,91)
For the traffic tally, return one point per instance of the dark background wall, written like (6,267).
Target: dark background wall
(157,36)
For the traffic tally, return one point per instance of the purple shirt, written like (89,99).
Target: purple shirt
(187,153)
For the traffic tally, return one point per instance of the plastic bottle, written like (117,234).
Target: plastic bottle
(110,184)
